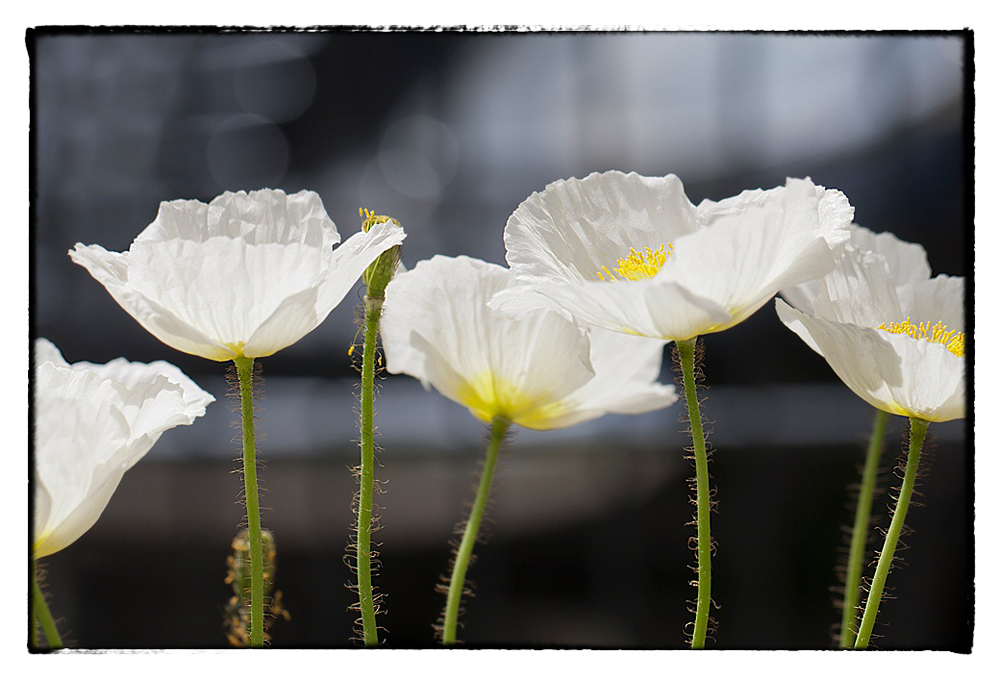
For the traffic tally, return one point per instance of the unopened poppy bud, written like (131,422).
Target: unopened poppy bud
(381,271)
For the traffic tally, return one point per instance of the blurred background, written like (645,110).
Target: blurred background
(449,132)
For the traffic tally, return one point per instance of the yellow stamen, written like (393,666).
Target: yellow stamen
(638,265)
(371,219)
(953,340)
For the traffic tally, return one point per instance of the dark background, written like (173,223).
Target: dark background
(449,132)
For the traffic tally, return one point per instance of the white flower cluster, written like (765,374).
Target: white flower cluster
(603,272)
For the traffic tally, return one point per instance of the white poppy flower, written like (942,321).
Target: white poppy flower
(894,335)
(632,254)
(243,276)
(92,423)
(541,371)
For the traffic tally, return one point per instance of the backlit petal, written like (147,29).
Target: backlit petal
(246,275)
(538,370)
(579,242)
(92,423)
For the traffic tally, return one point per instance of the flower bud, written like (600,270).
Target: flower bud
(381,271)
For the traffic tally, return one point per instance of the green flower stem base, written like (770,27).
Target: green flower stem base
(41,613)
(859,534)
(366,597)
(456,586)
(686,353)
(244,368)
(918,430)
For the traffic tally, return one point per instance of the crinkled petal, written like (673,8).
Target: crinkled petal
(892,372)
(934,388)
(438,327)
(540,370)
(573,228)
(626,369)
(758,243)
(652,308)
(224,287)
(905,263)
(351,259)
(860,357)
(860,291)
(728,258)
(258,217)
(111,270)
(92,424)
(134,374)
(941,299)
(155,397)
(806,208)
(301,313)
(293,319)
(153,407)
(46,351)
(81,446)
(246,275)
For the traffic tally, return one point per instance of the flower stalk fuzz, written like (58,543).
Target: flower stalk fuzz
(375,278)
(244,369)
(918,430)
(41,614)
(859,534)
(366,599)
(686,357)
(456,586)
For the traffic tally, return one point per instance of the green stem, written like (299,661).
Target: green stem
(456,586)
(918,430)
(859,535)
(686,352)
(40,610)
(366,597)
(244,368)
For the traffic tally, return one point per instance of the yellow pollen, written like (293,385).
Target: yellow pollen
(953,340)
(638,265)
(371,219)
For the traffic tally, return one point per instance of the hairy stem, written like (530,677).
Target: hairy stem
(244,368)
(456,586)
(859,534)
(918,430)
(366,598)
(40,611)
(686,352)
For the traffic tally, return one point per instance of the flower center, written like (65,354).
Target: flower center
(953,340)
(488,395)
(638,265)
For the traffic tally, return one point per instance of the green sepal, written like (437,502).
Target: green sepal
(380,272)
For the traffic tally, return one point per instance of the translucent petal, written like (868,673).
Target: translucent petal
(653,308)
(861,357)
(538,369)
(82,440)
(892,372)
(473,355)
(258,217)
(111,270)
(574,227)
(727,258)
(626,369)
(92,423)
(245,275)
(904,262)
